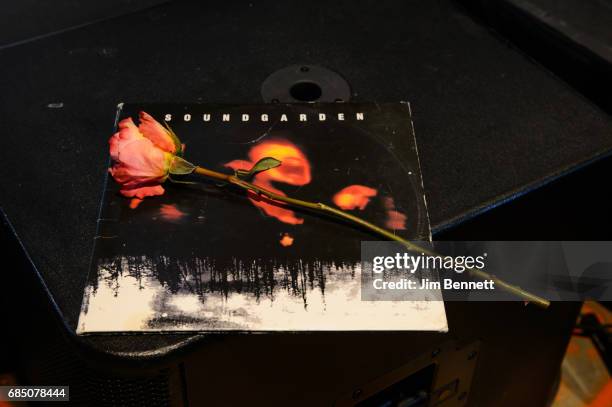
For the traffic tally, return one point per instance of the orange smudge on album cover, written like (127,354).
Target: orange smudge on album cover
(286,240)
(294,170)
(353,197)
(395,219)
(170,212)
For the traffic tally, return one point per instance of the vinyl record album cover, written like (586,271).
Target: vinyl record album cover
(207,257)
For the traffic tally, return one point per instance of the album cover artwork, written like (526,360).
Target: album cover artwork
(204,256)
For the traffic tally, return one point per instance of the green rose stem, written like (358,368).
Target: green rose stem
(322,208)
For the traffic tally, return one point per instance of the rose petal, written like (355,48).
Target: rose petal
(155,132)
(127,178)
(142,192)
(127,133)
(140,165)
(143,158)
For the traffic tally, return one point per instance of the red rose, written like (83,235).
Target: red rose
(144,156)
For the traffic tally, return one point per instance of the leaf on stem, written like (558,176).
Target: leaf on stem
(264,164)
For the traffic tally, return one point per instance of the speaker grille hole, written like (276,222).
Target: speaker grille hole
(306,91)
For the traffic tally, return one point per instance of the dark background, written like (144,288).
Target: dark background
(27,20)
(504,104)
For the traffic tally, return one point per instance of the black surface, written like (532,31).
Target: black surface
(571,38)
(575,207)
(25,20)
(587,23)
(489,122)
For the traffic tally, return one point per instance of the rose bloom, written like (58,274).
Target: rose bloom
(142,156)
